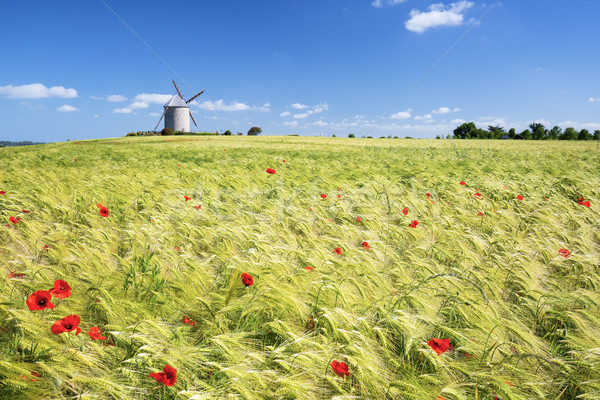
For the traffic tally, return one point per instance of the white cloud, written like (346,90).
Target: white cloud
(593,100)
(115,98)
(96,116)
(379,3)
(299,106)
(66,108)
(124,110)
(285,114)
(438,15)
(219,105)
(291,124)
(316,109)
(422,117)
(264,108)
(154,114)
(401,114)
(320,123)
(138,104)
(153,98)
(320,108)
(301,116)
(36,91)
(441,110)
(458,121)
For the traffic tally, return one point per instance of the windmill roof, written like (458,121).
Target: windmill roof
(176,101)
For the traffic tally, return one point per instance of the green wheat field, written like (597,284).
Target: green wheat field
(160,276)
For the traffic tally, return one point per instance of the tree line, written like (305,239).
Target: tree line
(536,131)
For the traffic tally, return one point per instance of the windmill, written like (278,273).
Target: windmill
(177,111)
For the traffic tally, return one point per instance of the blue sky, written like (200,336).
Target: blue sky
(77,70)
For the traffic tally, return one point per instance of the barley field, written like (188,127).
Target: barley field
(179,268)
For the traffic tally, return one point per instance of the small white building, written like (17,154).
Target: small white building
(177,114)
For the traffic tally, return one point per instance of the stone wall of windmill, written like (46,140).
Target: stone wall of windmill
(178,119)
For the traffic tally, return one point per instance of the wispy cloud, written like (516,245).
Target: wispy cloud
(153,98)
(299,106)
(220,105)
(285,114)
(380,3)
(116,98)
(309,110)
(437,15)
(445,110)
(423,117)
(401,114)
(593,100)
(124,110)
(36,91)
(67,108)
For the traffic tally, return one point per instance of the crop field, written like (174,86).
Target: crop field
(179,268)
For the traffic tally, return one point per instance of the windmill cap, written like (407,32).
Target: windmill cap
(176,101)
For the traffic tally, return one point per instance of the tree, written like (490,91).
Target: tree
(538,131)
(569,134)
(554,133)
(512,133)
(597,134)
(254,131)
(464,130)
(584,134)
(526,134)
(351,135)
(227,133)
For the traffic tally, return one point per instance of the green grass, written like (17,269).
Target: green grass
(495,285)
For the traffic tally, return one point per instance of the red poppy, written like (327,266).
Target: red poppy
(481,214)
(338,251)
(13,220)
(323,196)
(428,195)
(61,289)
(247,279)
(283,160)
(168,377)
(583,202)
(271,171)
(440,398)
(358,219)
(439,345)
(186,198)
(198,207)
(405,211)
(25,211)
(95,333)
(40,300)
(509,383)
(13,275)
(67,324)
(188,321)
(519,197)
(478,195)
(103,210)
(340,368)
(366,246)
(463,183)
(339,196)
(564,252)
(46,247)
(413,224)
(2,192)
(308,268)
(75,160)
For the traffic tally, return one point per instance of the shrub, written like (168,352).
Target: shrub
(254,131)
(351,135)
(227,133)
(166,131)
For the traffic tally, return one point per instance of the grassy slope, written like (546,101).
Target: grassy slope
(515,310)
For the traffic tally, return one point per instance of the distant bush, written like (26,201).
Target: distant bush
(227,133)
(254,131)
(180,133)
(166,131)
(351,135)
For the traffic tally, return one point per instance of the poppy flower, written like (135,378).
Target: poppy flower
(2,192)
(283,160)
(95,333)
(25,211)
(323,196)
(13,275)
(405,211)
(463,183)
(103,210)
(187,198)
(247,279)
(440,398)
(338,251)
(61,289)
(308,268)
(481,214)
(67,324)
(198,207)
(168,377)
(339,196)
(340,368)
(439,345)
(519,197)
(358,219)
(13,220)
(40,300)
(413,224)
(75,160)
(46,247)
(564,252)
(188,321)
(428,195)
(366,246)
(271,171)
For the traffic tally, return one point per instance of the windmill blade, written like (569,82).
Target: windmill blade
(199,94)
(161,117)
(193,119)
(178,91)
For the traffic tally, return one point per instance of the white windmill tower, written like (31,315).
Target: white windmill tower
(177,112)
